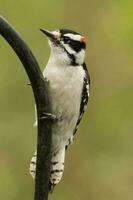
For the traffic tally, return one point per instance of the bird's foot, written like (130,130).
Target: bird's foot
(48,116)
(46,80)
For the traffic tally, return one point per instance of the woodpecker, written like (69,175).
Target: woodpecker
(69,84)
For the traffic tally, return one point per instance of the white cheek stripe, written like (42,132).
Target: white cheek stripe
(73,37)
(68,48)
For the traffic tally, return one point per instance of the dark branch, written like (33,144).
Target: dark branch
(40,90)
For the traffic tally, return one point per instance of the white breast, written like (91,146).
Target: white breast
(66,84)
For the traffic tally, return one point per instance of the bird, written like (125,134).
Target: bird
(69,88)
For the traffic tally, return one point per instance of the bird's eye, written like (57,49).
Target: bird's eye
(66,40)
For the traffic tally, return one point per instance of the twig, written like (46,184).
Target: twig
(40,90)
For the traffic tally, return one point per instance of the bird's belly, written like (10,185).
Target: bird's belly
(65,103)
(66,109)
(65,93)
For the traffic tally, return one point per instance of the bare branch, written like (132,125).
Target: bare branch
(40,90)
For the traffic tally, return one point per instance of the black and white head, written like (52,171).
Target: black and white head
(67,47)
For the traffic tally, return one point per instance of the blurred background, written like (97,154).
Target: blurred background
(99,165)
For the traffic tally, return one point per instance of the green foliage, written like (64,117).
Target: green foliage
(99,163)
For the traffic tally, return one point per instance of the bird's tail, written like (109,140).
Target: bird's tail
(56,168)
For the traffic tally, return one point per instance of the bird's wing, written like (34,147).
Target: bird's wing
(84,101)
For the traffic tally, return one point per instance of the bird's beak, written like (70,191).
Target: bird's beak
(54,36)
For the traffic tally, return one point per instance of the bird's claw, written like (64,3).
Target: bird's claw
(48,116)
(46,80)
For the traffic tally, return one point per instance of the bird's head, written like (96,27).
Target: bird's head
(67,46)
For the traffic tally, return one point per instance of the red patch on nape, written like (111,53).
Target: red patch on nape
(83,39)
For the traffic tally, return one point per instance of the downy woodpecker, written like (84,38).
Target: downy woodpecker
(69,83)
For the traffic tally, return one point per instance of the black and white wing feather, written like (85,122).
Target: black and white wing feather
(85,96)
(84,101)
